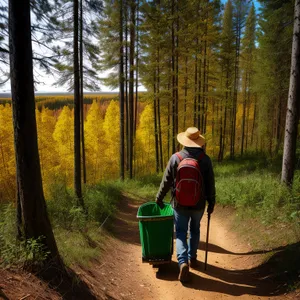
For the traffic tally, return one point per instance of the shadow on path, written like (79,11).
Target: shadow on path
(218,249)
(67,283)
(272,278)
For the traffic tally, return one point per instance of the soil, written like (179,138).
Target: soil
(234,270)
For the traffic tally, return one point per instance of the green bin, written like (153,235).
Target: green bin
(156,232)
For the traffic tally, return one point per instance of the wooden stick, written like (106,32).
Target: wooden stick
(207,236)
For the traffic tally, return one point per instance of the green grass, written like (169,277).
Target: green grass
(250,185)
(78,233)
(78,248)
(257,191)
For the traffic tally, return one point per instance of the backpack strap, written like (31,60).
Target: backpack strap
(202,154)
(179,156)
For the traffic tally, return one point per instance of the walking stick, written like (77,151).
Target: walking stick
(207,236)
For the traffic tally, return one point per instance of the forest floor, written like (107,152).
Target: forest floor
(233,270)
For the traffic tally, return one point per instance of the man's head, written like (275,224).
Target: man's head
(191,138)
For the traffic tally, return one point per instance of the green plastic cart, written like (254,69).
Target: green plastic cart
(156,232)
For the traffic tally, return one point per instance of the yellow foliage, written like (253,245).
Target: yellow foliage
(63,135)
(111,128)
(47,150)
(94,144)
(145,142)
(7,155)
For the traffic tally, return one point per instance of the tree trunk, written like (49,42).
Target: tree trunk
(169,114)
(196,85)
(126,88)
(220,106)
(32,211)
(177,75)
(204,87)
(185,92)
(199,95)
(206,97)
(158,112)
(169,126)
(244,113)
(173,82)
(121,92)
(136,84)
(248,110)
(155,124)
(77,144)
(292,114)
(131,83)
(225,114)
(236,86)
(136,67)
(220,156)
(254,119)
(205,73)
(213,123)
(81,92)
(19,222)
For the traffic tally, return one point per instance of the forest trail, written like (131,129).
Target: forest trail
(233,269)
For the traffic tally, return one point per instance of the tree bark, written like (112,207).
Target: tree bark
(136,84)
(77,144)
(131,83)
(244,113)
(177,74)
(121,92)
(32,211)
(195,85)
(236,84)
(199,95)
(81,92)
(169,127)
(155,124)
(248,110)
(292,114)
(204,93)
(254,119)
(158,112)
(126,89)
(136,67)
(185,91)
(173,82)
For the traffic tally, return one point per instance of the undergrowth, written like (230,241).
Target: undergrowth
(77,231)
(251,185)
(254,189)
(25,252)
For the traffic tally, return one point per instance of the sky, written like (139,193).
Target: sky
(46,82)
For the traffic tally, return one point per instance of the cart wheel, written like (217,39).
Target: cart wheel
(155,267)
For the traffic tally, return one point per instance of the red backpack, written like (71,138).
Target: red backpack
(189,181)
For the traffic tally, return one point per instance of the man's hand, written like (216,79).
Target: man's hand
(159,203)
(210,208)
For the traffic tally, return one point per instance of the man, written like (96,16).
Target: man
(188,216)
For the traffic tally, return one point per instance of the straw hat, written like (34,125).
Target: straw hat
(191,138)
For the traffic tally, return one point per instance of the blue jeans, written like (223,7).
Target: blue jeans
(187,250)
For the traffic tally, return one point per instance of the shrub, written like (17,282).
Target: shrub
(29,252)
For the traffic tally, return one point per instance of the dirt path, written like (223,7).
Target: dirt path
(233,270)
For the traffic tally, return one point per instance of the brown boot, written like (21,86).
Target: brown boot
(184,273)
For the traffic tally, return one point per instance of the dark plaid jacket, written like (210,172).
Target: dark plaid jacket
(169,179)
